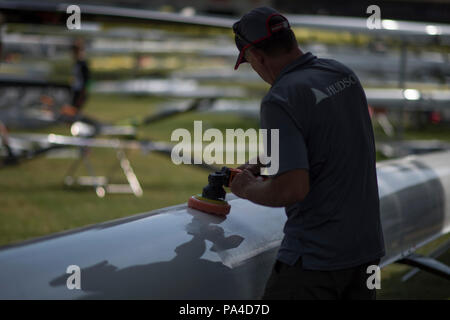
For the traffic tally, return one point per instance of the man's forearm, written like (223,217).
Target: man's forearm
(266,194)
(280,191)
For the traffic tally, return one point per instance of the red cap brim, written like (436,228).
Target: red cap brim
(239,60)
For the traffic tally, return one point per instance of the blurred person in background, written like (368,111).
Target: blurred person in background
(80,80)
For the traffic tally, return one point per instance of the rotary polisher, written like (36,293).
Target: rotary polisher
(212,199)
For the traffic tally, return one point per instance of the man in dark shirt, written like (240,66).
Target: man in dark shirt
(327,174)
(79,86)
(80,76)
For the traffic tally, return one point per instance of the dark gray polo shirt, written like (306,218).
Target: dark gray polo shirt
(320,109)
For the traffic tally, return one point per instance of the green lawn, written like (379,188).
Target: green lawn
(33,201)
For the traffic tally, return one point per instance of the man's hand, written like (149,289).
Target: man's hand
(253,168)
(280,191)
(241,182)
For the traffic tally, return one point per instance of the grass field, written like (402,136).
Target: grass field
(33,201)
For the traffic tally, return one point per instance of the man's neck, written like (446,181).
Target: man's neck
(280,64)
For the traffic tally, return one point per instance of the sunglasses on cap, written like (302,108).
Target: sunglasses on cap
(242,43)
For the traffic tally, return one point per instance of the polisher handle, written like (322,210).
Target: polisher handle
(233,173)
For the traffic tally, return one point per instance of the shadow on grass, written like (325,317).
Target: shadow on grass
(422,286)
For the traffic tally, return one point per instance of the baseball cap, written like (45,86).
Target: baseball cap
(257,25)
